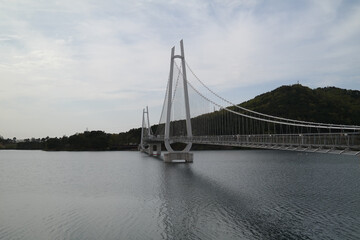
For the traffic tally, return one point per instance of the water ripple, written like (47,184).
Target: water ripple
(222,195)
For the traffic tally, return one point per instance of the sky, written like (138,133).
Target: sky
(70,66)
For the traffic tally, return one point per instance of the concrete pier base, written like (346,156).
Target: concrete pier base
(171,156)
(151,149)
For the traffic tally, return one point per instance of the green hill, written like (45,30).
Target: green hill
(326,105)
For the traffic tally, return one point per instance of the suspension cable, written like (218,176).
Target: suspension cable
(269,120)
(337,126)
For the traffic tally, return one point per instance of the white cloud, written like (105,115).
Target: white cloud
(254,49)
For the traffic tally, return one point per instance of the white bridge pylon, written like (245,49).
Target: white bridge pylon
(169,102)
(145,128)
(146,133)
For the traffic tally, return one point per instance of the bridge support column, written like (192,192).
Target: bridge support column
(171,156)
(158,149)
(151,149)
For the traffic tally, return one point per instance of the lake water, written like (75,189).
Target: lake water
(222,195)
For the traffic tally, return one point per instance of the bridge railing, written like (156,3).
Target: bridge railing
(340,141)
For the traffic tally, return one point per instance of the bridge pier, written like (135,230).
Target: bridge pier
(171,156)
(158,149)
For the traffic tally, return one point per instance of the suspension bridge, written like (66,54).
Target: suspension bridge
(194,113)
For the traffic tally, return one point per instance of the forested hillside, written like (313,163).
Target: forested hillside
(326,105)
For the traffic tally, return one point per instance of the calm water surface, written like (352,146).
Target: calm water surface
(222,195)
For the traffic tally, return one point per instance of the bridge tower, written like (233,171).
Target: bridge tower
(147,133)
(184,154)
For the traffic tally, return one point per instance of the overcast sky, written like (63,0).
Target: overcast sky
(66,66)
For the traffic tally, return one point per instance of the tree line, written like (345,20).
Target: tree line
(86,141)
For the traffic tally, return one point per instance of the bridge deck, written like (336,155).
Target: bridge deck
(338,143)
